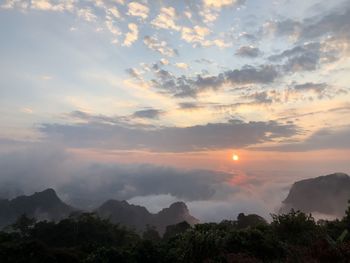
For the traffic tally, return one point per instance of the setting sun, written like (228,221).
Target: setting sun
(235,157)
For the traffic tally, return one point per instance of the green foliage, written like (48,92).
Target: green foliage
(86,238)
(23,225)
(295,228)
(244,221)
(151,234)
(173,230)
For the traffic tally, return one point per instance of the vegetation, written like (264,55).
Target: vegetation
(86,238)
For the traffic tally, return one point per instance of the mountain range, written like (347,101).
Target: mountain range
(327,195)
(46,205)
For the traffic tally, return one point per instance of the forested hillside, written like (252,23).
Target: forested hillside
(86,238)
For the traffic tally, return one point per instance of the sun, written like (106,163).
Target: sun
(235,157)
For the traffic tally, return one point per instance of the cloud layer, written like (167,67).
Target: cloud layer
(118,135)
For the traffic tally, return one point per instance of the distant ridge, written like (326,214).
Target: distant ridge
(139,217)
(46,205)
(327,194)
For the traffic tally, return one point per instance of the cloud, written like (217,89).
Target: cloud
(190,87)
(209,15)
(182,65)
(134,73)
(131,36)
(137,9)
(147,114)
(111,26)
(166,19)
(129,181)
(195,34)
(262,97)
(114,11)
(312,90)
(249,75)
(286,27)
(189,105)
(47,5)
(303,57)
(87,14)
(211,8)
(336,22)
(164,61)
(9,4)
(89,184)
(23,170)
(316,87)
(222,3)
(330,29)
(306,57)
(161,47)
(248,51)
(210,195)
(327,138)
(114,134)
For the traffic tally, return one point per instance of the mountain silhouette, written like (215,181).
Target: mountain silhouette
(45,205)
(139,217)
(327,194)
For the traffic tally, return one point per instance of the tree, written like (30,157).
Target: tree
(295,228)
(23,225)
(173,230)
(151,234)
(252,220)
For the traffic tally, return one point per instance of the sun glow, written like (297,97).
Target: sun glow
(235,157)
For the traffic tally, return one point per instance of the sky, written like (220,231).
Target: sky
(147,101)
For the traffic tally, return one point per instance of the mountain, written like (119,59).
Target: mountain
(139,217)
(175,213)
(46,205)
(41,205)
(124,213)
(325,194)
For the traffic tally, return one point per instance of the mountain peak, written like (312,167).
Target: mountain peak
(49,193)
(40,205)
(326,194)
(179,206)
(138,216)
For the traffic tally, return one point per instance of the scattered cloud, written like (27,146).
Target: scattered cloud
(138,10)
(182,65)
(222,3)
(196,34)
(159,46)
(87,14)
(248,51)
(134,73)
(190,87)
(47,5)
(316,87)
(166,19)
(27,110)
(148,114)
(132,35)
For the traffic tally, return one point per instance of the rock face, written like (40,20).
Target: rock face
(325,194)
(44,205)
(139,217)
